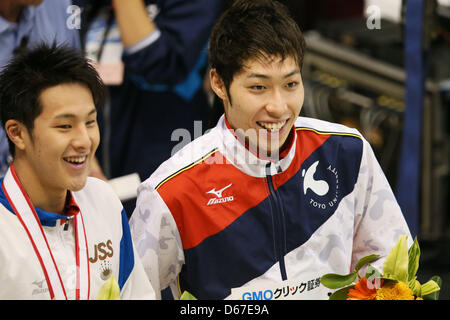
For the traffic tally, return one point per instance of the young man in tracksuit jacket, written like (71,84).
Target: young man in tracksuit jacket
(267,202)
(62,234)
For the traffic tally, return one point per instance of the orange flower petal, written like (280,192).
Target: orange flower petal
(362,292)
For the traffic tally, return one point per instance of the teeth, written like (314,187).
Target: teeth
(75,159)
(272,126)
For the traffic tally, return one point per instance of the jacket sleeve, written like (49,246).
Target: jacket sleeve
(378,218)
(132,279)
(157,240)
(168,54)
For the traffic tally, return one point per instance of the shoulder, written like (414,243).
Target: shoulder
(191,155)
(349,139)
(93,184)
(325,127)
(98,194)
(337,142)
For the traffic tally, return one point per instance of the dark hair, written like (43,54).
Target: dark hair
(31,72)
(253,29)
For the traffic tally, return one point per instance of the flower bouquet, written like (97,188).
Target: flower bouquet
(397,282)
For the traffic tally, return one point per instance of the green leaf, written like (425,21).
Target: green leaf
(363,261)
(413,259)
(336,281)
(416,287)
(187,296)
(431,289)
(396,263)
(341,294)
(389,277)
(110,290)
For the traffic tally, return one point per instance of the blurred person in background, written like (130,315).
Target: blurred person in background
(153,56)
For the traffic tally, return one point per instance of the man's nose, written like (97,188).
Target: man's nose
(81,139)
(277,104)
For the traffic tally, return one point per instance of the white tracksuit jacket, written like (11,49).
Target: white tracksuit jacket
(110,249)
(214,217)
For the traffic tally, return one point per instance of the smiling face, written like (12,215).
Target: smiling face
(264,101)
(64,138)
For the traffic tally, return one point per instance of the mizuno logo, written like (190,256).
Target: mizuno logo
(319,187)
(39,283)
(219,198)
(218,193)
(40,288)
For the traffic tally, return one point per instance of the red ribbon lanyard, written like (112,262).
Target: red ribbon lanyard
(24,210)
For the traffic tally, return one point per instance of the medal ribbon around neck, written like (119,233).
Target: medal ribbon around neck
(24,210)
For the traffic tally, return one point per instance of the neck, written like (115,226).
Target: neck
(10,10)
(43,198)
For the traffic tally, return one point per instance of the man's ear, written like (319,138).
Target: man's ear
(217,85)
(16,132)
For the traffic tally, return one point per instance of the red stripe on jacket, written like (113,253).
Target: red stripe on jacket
(186,193)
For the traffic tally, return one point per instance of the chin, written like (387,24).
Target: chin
(77,185)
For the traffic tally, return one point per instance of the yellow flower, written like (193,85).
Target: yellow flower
(395,291)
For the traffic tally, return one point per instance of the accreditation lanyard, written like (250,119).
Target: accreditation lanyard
(24,210)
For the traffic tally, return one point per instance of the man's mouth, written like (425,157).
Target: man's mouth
(75,160)
(272,126)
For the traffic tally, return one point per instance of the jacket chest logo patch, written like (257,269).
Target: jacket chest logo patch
(219,198)
(101,258)
(321,185)
(102,251)
(39,287)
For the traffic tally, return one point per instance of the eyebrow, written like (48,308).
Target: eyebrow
(71,115)
(263,76)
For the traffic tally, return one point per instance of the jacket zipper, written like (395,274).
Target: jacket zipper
(278,222)
(66,224)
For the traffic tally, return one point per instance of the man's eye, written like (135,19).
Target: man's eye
(292,84)
(64,126)
(91,122)
(257,88)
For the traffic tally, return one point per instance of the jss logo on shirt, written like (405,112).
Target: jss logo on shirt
(102,250)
